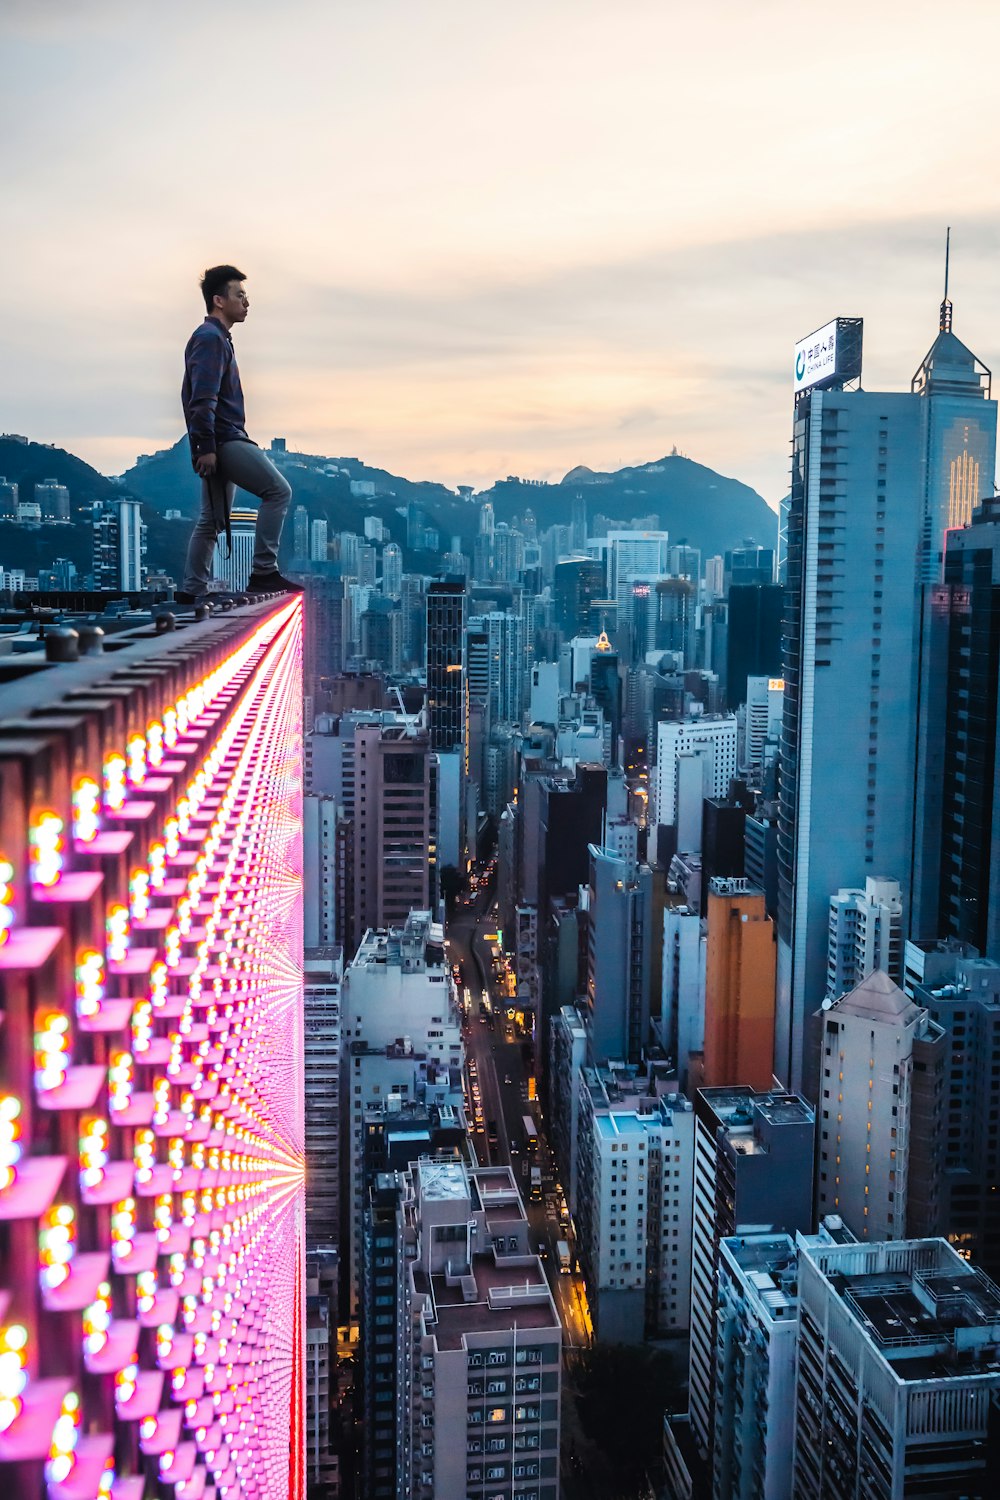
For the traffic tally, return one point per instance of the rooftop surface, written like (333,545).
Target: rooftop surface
(443,1180)
(620,1123)
(929,1314)
(531,1304)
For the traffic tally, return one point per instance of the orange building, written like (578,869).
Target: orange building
(739,987)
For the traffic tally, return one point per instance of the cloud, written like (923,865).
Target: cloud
(479,240)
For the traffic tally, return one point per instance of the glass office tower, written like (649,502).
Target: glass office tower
(877,479)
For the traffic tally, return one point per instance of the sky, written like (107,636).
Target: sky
(485,239)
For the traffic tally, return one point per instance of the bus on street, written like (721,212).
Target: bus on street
(530,1134)
(563,1257)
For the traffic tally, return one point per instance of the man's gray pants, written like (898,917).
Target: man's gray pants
(241,464)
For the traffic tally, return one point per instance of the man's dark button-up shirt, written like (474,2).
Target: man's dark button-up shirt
(211,395)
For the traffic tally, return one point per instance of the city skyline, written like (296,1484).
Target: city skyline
(592,269)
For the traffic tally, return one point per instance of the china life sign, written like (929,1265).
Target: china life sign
(816,357)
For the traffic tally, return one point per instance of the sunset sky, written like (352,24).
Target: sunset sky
(484,239)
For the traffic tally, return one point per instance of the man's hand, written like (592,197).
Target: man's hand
(205,464)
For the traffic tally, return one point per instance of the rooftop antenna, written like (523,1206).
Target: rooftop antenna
(945,320)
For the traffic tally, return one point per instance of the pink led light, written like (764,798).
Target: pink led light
(51,1050)
(86,809)
(139,888)
(56,1244)
(65,1434)
(93,1150)
(135,754)
(13,1378)
(125,1382)
(154,743)
(45,848)
(171,835)
(157,865)
(97,1320)
(144,1153)
(117,933)
(142,1026)
(10,1139)
(120,1081)
(6,899)
(146,1289)
(89,983)
(115,782)
(122,1228)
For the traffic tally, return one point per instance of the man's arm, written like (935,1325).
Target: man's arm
(206,364)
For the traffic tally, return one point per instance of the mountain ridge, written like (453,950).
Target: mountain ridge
(693,502)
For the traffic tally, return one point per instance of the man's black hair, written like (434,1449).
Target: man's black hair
(216,279)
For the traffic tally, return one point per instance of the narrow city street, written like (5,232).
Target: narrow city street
(497,1064)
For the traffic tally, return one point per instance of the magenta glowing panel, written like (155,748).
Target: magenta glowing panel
(151,1072)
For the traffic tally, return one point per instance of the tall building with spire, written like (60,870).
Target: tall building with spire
(875,477)
(960,450)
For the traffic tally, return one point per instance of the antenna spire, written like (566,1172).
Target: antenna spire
(944,323)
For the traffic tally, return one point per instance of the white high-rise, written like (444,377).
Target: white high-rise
(392,571)
(898,1373)
(765,701)
(881,1095)
(715,733)
(866,933)
(318,540)
(232,569)
(319,850)
(400,1025)
(682,1007)
(634,554)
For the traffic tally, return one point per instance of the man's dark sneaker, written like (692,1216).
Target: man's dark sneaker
(271,583)
(181,596)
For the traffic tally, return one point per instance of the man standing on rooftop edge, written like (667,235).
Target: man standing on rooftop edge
(221,452)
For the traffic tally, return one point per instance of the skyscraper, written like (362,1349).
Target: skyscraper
(961,823)
(898,1371)
(300,532)
(52,498)
(752,1166)
(676,618)
(577,582)
(619,949)
(753,639)
(962,994)
(634,554)
(632,1204)
(318,540)
(739,986)
(606,688)
(880,1112)
(392,570)
(874,477)
(714,735)
(152,1058)
(866,933)
(233,568)
(446,706)
(579,525)
(394,855)
(119,545)
(481,1394)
